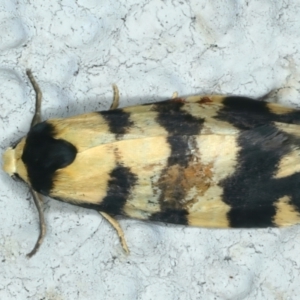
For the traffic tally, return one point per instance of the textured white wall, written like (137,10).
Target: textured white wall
(76,50)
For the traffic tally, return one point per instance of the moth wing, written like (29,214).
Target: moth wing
(238,171)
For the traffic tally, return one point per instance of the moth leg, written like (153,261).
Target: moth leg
(37,118)
(116,98)
(38,200)
(118,228)
(272,95)
(174,95)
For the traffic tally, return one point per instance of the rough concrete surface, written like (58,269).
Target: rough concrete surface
(76,50)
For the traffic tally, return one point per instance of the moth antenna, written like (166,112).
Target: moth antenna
(38,200)
(115,103)
(37,118)
(114,223)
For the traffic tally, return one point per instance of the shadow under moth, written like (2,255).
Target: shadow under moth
(209,161)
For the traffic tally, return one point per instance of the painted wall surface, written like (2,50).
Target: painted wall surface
(76,50)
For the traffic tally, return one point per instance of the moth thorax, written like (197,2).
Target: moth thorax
(9,161)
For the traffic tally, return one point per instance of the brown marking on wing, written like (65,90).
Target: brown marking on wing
(198,177)
(205,100)
(180,100)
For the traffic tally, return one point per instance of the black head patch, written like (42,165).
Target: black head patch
(43,155)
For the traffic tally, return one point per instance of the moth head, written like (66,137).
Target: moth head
(12,161)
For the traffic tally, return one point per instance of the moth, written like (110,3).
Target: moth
(206,160)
